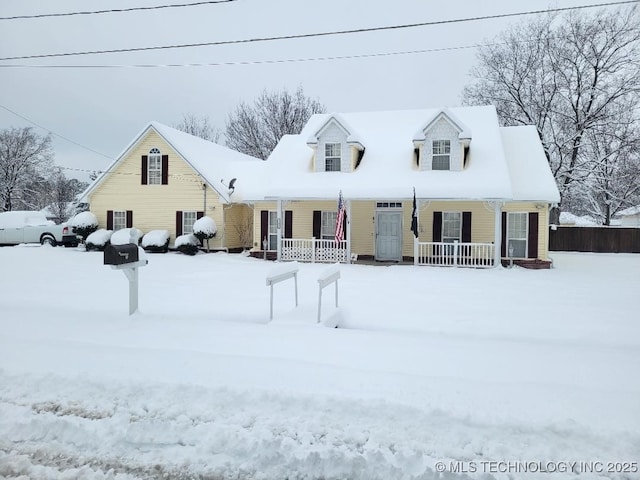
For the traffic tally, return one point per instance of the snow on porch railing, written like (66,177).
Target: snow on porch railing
(478,255)
(313,250)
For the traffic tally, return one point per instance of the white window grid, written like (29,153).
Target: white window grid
(389,205)
(188,219)
(119,220)
(328,225)
(273,230)
(517,234)
(155,167)
(441,159)
(332,156)
(451,227)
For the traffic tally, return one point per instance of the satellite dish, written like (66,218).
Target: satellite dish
(232,183)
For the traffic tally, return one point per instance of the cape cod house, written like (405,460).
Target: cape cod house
(482,192)
(166,179)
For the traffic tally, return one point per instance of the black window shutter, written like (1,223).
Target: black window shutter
(264,225)
(129,218)
(503,247)
(165,169)
(288,224)
(109,219)
(437,227)
(533,235)
(466,227)
(317,223)
(178,223)
(144,169)
(199,215)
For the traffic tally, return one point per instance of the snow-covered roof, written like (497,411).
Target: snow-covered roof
(211,161)
(629,211)
(336,118)
(388,169)
(465,132)
(531,177)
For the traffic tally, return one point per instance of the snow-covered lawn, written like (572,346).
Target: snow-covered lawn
(495,371)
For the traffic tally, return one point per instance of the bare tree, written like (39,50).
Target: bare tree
(569,76)
(256,129)
(62,191)
(24,157)
(199,127)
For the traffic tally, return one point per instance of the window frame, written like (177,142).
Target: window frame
(117,221)
(187,228)
(441,153)
(154,167)
(272,230)
(446,220)
(332,157)
(510,238)
(328,219)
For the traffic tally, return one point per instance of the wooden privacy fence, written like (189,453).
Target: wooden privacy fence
(595,239)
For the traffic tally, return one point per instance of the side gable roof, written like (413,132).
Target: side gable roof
(211,161)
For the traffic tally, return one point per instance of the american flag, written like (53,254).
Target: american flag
(340,219)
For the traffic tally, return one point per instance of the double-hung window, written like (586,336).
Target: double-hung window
(441,159)
(188,219)
(451,227)
(273,230)
(517,234)
(332,156)
(119,220)
(328,226)
(155,167)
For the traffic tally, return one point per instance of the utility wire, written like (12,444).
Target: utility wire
(255,62)
(116,10)
(318,34)
(54,133)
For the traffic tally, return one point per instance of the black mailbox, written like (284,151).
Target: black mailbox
(120,254)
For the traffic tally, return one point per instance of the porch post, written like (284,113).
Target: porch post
(348,232)
(279,228)
(497,207)
(416,240)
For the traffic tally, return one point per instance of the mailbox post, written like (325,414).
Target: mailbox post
(127,258)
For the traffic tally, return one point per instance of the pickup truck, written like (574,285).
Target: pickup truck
(33,227)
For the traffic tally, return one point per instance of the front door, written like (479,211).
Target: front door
(389,236)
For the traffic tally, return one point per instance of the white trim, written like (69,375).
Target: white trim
(526,234)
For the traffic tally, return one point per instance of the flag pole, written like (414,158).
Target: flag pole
(414,227)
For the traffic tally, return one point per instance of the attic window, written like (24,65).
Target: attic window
(441,155)
(332,157)
(155,167)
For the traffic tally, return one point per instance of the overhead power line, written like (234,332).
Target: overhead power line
(54,133)
(115,10)
(317,34)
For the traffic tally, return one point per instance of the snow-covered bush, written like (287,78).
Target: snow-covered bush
(205,228)
(187,244)
(124,235)
(84,224)
(156,241)
(98,239)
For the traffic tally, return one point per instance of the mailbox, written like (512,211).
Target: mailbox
(120,254)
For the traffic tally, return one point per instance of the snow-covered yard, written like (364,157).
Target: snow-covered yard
(492,372)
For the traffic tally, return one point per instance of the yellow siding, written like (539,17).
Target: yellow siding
(543,223)
(238,221)
(154,206)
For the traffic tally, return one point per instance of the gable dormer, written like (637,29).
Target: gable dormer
(442,143)
(336,147)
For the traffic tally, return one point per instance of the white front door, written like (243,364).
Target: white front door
(389,236)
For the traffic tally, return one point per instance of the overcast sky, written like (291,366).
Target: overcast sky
(103,109)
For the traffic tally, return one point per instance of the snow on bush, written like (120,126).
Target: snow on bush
(123,236)
(187,244)
(205,227)
(156,241)
(84,224)
(98,239)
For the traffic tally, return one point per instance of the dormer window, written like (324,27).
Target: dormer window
(155,167)
(332,156)
(441,159)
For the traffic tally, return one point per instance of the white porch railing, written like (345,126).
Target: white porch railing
(313,250)
(477,255)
